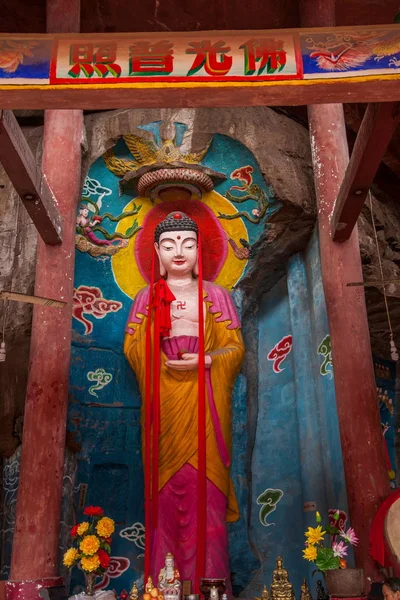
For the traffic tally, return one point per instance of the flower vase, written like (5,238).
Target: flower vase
(345,583)
(90,581)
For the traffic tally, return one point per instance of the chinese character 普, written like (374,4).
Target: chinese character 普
(264,54)
(146,58)
(211,56)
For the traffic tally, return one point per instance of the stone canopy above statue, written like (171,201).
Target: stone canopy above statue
(159,168)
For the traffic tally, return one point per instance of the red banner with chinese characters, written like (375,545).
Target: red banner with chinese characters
(143,59)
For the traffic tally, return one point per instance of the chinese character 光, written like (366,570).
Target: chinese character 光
(211,56)
(146,58)
(263,53)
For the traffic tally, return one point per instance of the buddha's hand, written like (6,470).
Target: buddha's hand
(189,362)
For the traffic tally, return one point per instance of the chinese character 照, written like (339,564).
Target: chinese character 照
(89,59)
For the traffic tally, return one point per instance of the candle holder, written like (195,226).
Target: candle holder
(207,583)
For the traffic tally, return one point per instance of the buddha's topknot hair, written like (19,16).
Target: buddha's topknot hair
(175,221)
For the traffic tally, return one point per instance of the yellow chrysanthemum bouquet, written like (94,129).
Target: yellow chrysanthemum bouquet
(332,557)
(91,548)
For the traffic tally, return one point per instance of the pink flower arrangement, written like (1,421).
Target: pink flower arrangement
(323,545)
(339,549)
(349,536)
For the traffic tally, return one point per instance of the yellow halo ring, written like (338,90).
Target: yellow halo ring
(126,272)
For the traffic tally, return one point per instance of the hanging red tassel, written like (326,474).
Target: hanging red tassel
(160,298)
(156,407)
(147,430)
(162,326)
(162,301)
(201,473)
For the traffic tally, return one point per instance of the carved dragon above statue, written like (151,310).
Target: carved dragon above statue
(158,166)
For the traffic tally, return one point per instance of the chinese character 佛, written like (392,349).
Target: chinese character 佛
(266,54)
(88,59)
(211,56)
(147,58)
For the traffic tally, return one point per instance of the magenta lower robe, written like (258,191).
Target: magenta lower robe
(176,532)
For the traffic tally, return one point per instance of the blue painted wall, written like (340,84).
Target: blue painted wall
(275,459)
(297,464)
(385,375)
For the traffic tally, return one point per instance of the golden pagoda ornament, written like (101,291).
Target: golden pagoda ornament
(265,594)
(281,588)
(134,593)
(305,592)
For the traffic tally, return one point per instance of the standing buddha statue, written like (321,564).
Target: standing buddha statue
(184,343)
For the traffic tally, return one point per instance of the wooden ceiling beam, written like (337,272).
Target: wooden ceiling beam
(373,138)
(274,93)
(28,180)
(354,114)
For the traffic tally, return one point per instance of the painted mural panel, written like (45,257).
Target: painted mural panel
(350,52)
(10,479)
(276,507)
(243,562)
(113,250)
(25,60)
(385,375)
(297,464)
(334,481)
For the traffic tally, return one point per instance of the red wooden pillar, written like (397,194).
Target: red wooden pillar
(37,529)
(360,428)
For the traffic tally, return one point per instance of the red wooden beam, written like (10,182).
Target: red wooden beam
(373,138)
(367,482)
(28,180)
(275,93)
(37,522)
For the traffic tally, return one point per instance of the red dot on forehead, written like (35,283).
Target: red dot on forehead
(178,237)
(177,216)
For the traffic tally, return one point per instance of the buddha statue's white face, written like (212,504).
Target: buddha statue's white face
(177,252)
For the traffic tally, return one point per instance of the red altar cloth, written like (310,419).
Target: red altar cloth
(352,598)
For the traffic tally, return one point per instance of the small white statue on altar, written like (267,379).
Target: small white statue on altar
(169,581)
(214,593)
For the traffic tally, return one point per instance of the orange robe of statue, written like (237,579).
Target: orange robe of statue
(179,395)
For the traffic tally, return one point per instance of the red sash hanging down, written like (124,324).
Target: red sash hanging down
(160,298)
(162,326)
(147,430)
(201,433)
